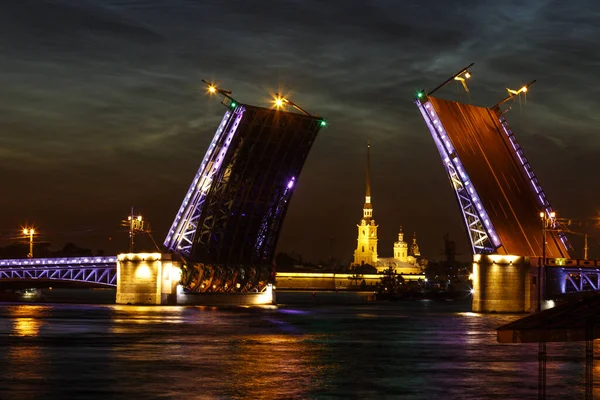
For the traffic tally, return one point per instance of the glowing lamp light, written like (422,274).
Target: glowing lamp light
(323,123)
(233,104)
(278,102)
(467,75)
(420,95)
(524,89)
(291,183)
(212,89)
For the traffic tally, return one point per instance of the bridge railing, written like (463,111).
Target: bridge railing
(23,262)
(92,270)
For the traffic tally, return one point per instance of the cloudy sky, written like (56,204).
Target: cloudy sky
(102,107)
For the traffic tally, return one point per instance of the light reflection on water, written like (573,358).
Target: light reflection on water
(412,350)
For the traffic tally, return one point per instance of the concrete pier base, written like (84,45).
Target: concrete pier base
(146,278)
(503,284)
(153,278)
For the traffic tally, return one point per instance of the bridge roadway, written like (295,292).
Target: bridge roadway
(501,175)
(92,270)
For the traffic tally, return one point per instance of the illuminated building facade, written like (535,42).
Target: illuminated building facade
(366,249)
(401,248)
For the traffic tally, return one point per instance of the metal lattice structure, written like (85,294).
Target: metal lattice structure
(181,235)
(481,232)
(230,219)
(91,270)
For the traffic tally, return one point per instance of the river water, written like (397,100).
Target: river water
(404,350)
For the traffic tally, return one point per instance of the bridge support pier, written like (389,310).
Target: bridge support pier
(502,284)
(154,278)
(146,278)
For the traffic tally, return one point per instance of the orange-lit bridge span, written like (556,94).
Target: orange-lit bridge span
(500,199)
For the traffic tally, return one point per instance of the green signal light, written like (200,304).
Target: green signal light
(233,104)
(420,95)
(323,123)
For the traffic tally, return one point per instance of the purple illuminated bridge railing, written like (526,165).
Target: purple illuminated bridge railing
(92,270)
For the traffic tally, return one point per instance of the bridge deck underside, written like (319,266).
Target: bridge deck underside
(244,210)
(497,175)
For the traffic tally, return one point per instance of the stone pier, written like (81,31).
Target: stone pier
(154,278)
(503,284)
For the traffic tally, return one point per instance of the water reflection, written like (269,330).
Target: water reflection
(407,350)
(126,318)
(26,327)
(299,367)
(27,319)
(24,362)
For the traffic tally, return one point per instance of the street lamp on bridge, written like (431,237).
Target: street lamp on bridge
(548,220)
(29,232)
(136,224)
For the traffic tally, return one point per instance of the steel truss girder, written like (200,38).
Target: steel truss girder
(233,213)
(106,276)
(582,280)
(243,217)
(481,232)
(181,235)
(93,270)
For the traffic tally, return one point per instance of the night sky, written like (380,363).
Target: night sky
(102,107)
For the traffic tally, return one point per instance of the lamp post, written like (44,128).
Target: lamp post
(29,232)
(135,223)
(547,220)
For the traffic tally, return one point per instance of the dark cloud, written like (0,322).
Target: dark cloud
(102,106)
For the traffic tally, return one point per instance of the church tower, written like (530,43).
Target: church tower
(366,250)
(414,247)
(401,248)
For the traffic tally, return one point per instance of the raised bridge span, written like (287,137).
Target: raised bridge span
(521,254)
(223,238)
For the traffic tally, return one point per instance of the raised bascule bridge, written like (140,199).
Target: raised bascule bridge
(513,231)
(223,238)
(227,227)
